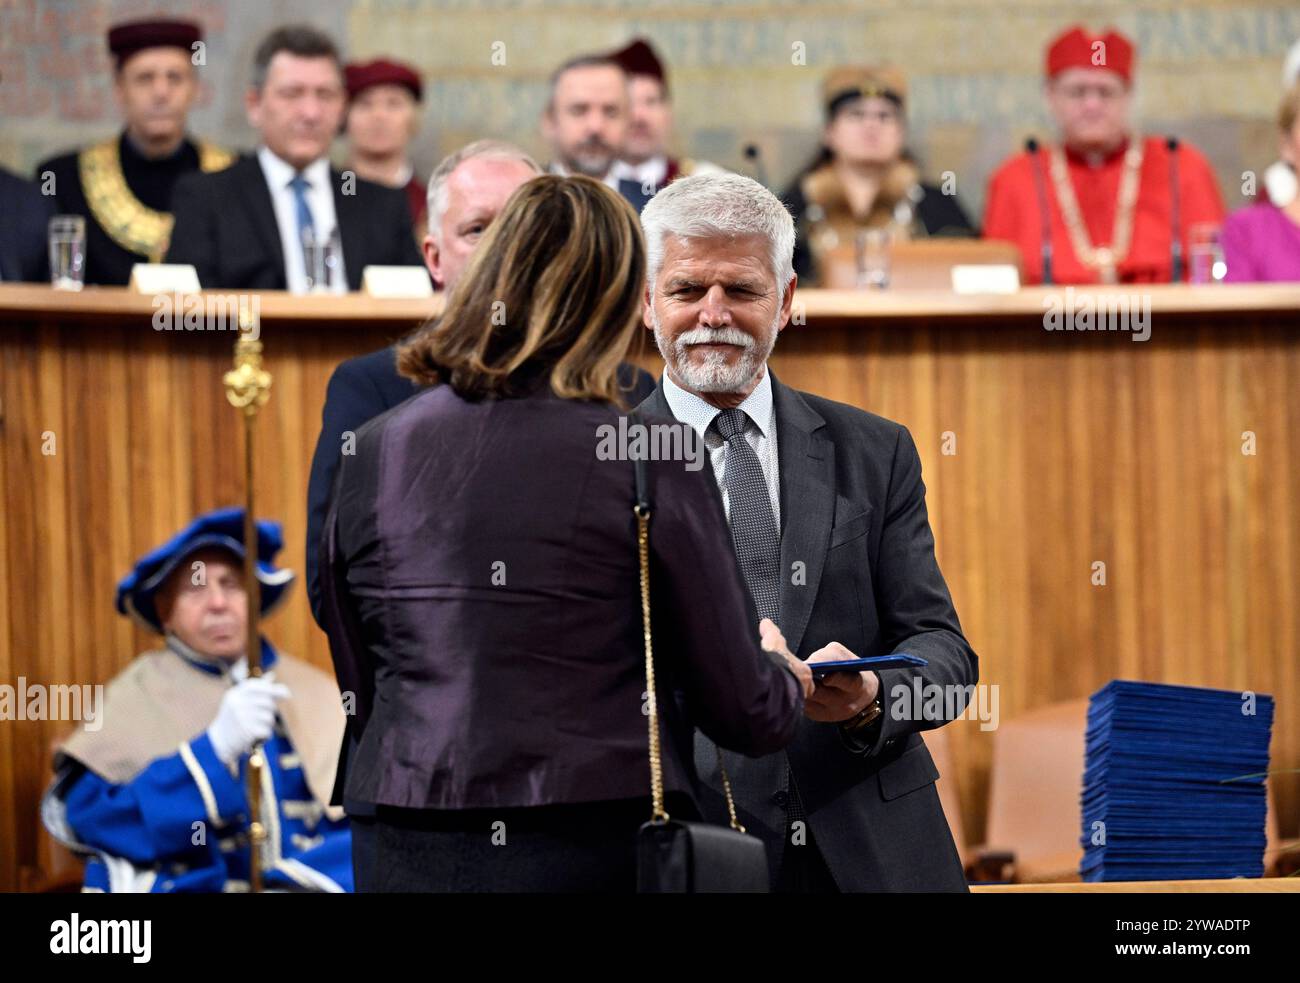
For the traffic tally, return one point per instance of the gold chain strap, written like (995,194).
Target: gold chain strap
(1104,259)
(658,813)
(726,788)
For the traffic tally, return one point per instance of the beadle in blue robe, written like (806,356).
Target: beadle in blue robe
(146,799)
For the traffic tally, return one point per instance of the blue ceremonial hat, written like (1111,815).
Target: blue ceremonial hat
(222,528)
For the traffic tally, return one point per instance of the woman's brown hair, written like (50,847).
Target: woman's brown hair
(553,291)
(1289,111)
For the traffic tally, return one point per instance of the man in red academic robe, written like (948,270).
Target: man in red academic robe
(1108,190)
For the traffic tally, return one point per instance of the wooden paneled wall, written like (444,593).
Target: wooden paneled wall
(1070,449)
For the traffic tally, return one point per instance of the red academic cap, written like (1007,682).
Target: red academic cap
(381,71)
(126,39)
(638,58)
(1076,48)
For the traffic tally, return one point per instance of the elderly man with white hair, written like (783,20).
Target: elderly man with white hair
(827,511)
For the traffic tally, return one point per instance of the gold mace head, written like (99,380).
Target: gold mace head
(248,385)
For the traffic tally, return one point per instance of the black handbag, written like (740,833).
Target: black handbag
(672,856)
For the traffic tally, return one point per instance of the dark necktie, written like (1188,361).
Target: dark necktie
(758,544)
(753,527)
(635,193)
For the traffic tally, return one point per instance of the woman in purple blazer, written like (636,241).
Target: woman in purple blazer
(480,583)
(1261,243)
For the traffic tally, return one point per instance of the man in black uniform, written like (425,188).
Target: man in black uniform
(123,186)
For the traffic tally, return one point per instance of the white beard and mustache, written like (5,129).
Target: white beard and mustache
(714,374)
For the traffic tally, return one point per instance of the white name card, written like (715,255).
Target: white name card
(985,278)
(164,278)
(396,281)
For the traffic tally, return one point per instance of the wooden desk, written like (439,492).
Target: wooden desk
(1071,448)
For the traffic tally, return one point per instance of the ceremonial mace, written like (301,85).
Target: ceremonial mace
(248,386)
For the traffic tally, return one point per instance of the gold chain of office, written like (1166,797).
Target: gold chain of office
(1104,259)
(130,223)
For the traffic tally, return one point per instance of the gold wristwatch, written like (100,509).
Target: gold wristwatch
(865,717)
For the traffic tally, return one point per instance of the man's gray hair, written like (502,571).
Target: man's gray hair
(488,149)
(299,40)
(579,61)
(711,205)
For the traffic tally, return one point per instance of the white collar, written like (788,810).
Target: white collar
(653,170)
(610,180)
(237,670)
(690,408)
(279,172)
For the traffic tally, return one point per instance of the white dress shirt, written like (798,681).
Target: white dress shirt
(320,199)
(652,173)
(760,433)
(609,180)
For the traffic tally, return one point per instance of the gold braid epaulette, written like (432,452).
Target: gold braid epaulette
(130,223)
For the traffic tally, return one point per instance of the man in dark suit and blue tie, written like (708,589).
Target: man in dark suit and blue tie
(245,227)
(827,513)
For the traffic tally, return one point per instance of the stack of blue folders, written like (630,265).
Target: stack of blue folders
(1166,778)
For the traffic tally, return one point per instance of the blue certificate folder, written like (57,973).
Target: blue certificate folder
(898,660)
(1174,775)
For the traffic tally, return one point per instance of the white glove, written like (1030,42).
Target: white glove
(246,716)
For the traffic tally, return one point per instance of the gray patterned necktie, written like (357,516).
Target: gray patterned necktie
(758,544)
(753,526)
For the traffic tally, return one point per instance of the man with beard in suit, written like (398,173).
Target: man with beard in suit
(827,513)
(586,120)
(246,226)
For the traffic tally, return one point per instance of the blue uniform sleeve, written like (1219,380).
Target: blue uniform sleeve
(153,817)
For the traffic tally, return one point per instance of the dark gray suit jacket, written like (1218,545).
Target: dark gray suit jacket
(853,514)
(24,216)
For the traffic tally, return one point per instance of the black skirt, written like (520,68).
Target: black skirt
(580,847)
